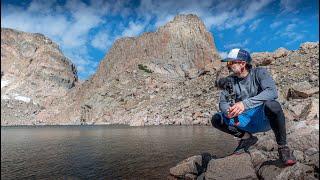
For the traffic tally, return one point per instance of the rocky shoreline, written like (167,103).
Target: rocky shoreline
(260,163)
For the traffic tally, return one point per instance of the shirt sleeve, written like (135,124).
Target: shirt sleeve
(268,87)
(223,104)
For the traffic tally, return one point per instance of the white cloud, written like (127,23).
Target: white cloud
(76,24)
(134,29)
(84,63)
(237,45)
(263,40)
(122,8)
(240,29)
(246,12)
(290,34)
(68,25)
(52,20)
(275,24)
(217,14)
(48,24)
(294,37)
(254,25)
(163,20)
(102,40)
(38,5)
(217,20)
(290,27)
(290,6)
(84,18)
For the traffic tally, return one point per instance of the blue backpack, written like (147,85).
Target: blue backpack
(252,120)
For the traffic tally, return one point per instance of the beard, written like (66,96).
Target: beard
(235,69)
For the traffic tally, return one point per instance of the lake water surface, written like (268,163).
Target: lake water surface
(104,152)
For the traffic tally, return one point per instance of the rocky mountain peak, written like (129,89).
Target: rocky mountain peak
(33,72)
(30,49)
(189,21)
(181,48)
(187,18)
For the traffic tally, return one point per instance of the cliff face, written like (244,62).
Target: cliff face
(33,73)
(126,87)
(181,48)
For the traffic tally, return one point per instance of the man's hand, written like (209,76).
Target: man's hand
(235,110)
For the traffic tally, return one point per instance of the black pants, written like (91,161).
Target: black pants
(275,115)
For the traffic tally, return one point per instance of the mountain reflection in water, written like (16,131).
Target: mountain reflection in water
(104,152)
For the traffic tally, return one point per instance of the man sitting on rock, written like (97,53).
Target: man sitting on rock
(255,108)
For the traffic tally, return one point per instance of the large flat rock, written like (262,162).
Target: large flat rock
(231,167)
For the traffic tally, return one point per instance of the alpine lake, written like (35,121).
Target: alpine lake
(104,152)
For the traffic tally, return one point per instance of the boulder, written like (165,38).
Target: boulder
(312,157)
(187,166)
(307,46)
(262,58)
(302,138)
(273,169)
(313,78)
(266,143)
(280,52)
(299,155)
(192,167)
(257,157)
(311,112)
(190,177)
(298,107)
(231,167)
(302,90)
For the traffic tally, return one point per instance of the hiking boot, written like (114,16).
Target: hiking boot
(245,144)
(286,156)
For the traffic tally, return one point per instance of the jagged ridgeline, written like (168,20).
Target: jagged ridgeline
(161,77)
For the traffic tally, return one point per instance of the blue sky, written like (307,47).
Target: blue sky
(85,30)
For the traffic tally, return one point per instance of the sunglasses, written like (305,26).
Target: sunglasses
(233,62)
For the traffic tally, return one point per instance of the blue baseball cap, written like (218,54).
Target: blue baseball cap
(238,55)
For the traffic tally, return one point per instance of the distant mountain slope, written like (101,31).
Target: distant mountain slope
(33,72)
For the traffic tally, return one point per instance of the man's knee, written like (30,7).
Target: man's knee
(216,120)
(273,105)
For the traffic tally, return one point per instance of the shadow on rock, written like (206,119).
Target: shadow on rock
(276,163)
(191,167)
(206,157)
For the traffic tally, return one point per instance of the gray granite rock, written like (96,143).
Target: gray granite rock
(187,166)
(274,170)
(231,167)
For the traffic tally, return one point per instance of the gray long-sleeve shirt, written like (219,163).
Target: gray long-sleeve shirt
(252,90)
